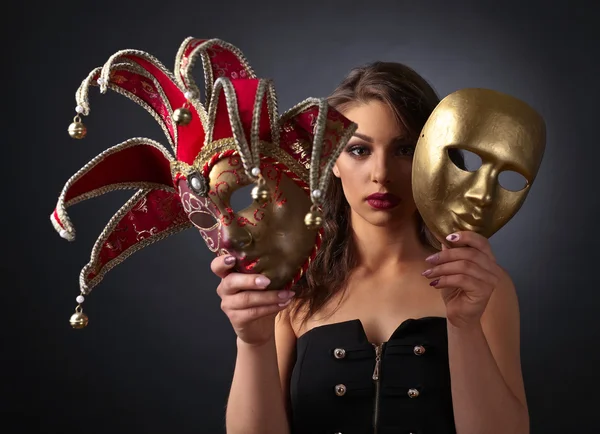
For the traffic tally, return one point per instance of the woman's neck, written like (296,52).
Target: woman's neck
(381,248)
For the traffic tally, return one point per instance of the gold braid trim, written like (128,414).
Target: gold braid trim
(181,167)
(201,49)
(105,76)
(118,186)
(299,108)
(343,140)
(227,144)
(82,96)
(135,68)
(61,206)
(319,179)
(85,286)
(82,93)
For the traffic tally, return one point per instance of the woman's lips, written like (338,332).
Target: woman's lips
(383,201)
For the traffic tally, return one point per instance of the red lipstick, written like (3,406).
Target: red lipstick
(383,201)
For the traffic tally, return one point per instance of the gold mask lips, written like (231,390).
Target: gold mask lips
(504,132)
(234,138)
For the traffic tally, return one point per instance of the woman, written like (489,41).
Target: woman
(387,333)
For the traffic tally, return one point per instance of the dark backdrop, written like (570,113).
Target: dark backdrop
(158,355)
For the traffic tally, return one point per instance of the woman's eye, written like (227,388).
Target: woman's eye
(406,150)
(357,151)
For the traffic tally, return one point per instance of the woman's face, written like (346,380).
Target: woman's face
(375,166)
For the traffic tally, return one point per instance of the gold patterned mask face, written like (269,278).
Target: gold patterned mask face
(270,238)
(504,132)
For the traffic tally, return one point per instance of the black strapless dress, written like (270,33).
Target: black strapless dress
(342,384)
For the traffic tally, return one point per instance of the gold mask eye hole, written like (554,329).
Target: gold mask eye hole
(512,181)
(464,160)
(241,199)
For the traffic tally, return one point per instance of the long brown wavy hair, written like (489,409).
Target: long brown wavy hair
(412,100)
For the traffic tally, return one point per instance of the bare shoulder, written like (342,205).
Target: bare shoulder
(284,328)
(295,314)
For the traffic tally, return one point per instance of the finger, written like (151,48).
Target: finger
(463,253)
(460,267)
(222,265)
(467,283)
(236,282)
(254,313)
(471,239)
(248,299)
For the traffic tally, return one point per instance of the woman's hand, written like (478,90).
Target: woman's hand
(467,274)
(250,307)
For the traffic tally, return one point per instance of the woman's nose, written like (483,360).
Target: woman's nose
(381,171)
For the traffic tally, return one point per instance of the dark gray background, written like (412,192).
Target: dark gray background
(158,355)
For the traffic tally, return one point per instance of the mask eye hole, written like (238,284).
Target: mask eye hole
(512,181)
(241,198)
(464,160)
(203,220)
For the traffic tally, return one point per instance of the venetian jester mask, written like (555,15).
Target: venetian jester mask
(505,133)
(234,138)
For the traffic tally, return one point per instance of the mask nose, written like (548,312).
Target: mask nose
(236,237)
(481,192)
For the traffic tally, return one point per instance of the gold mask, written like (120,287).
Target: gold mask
(504,132)
(234,138)
(269,238)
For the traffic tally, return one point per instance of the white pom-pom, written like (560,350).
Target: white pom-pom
(79,109)
(188,95)
(255,171)
(80,299)
(316,194)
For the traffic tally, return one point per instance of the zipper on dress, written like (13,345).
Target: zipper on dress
(376,376)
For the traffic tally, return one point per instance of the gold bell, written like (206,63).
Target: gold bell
(314,219)
(79,319)
(260,193)
(77,130)
(182,116)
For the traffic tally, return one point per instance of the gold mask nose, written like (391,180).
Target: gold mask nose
(236,238)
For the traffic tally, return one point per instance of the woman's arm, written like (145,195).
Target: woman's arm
(485,367)
(483,337)
(257,401)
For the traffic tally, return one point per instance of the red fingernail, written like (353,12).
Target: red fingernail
(229,260)
(435,282)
